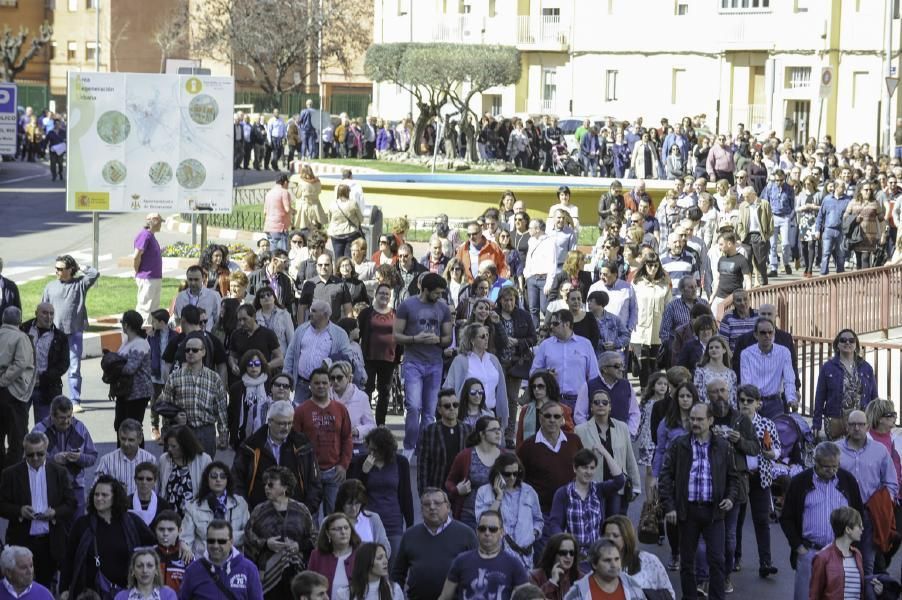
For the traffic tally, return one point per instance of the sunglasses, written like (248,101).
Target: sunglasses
(555,416)
(566,552)
(601,402)
(336,377)
(58,269)
(475,392)
(889,414)
(217,541)
(451,405)
(193,350)
(490,528)
(254,363)
(282,386)
(846,340)
(511,473)
(221,476)
(538,386)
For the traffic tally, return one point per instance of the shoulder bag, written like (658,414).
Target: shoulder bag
(210,570)
(106,588)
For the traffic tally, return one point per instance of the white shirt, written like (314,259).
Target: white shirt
(541,257)
(541,439)
(37,482)
(483,370)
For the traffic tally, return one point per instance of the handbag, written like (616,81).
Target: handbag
(657,594)
(165,409)
(648,522)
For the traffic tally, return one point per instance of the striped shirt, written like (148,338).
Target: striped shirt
(851,578)
(573,361)
(316,348)
(676,314)
(771,372)
(733,327)
(116,464)
(200,394)
(819,503)
(701,484)
(678,267)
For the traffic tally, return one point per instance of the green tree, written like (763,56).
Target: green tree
(11,44)
(438,74)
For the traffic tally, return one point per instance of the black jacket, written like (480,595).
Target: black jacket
(793,514)
(260,278)
(9,294)
(413,288)
(747,445)
(525,332)
(15,492)
(254,456)
(673,484)
(50,383)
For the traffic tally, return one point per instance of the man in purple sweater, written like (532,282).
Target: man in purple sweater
(224,572)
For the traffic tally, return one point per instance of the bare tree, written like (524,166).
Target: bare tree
(279,42)
(13,61)
(171,33)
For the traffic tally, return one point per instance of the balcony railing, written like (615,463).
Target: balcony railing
(867,301)
(753,116)
(542,32)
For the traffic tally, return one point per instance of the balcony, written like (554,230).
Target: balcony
(542,33)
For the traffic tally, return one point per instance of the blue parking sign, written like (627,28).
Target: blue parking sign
(8,118)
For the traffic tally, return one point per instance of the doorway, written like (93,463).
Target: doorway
(797,120)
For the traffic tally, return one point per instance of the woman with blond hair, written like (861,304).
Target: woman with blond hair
(572,271)
(345,220)
(306,190)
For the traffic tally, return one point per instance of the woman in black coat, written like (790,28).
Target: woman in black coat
(572,271)
(516,357)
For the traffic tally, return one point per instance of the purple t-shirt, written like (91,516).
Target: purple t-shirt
(151,266)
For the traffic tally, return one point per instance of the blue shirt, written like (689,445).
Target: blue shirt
(573,361)
(830,214)
(611,328)
(275,129)
(819,503)
(781,198)
(871,466)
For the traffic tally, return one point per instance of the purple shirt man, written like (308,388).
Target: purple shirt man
(148,265)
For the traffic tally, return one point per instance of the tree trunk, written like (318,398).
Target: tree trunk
(427,113)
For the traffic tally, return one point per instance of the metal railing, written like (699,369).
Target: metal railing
(813,352)
(546,31)
(249,195)
(867,301)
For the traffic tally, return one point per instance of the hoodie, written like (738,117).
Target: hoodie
(238,575)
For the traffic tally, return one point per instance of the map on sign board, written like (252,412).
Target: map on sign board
(149,143)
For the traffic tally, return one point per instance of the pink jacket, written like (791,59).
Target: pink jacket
(277,210)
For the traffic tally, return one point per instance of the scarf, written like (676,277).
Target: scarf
(217,504)
(146,515)
(255,403)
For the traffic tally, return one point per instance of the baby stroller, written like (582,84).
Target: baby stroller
(562,163)
(797,454)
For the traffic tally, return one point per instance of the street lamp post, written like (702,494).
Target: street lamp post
(95,216)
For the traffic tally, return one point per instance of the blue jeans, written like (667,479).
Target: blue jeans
(39,404)
(832,246)
(278,240)
(301,391)
(535,297)
(76,343)
(311,147)
(590,165)
(330,490)
(422,382)
(786,231)
(803,575)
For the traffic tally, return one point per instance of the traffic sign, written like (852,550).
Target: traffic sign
(891,84)
(826,81)
(8,118)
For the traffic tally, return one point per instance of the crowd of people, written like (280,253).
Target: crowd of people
(509,349)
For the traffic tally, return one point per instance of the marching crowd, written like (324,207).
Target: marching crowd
(509,348)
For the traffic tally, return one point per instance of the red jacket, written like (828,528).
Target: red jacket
(489,251)
(827,576)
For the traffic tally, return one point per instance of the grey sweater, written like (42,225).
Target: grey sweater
(68,300)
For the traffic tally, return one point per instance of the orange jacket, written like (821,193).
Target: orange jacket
(883,517)
(490,251)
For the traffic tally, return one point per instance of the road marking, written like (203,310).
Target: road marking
(18,179)
(32,190)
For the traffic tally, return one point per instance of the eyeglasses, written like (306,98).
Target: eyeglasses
(566,552)
(254,363)
(600,402)
(846,340)
(218,541)
(555,416)
(451,405)
(490,528)
(192,349)
(511,473)
(477,392)
(218,475)
(323,264)
(282,386)
(336,377)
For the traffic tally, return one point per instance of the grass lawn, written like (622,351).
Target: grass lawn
(388,166)
(109,296)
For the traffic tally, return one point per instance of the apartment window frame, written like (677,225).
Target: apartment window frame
(859,79)
(740,6)
(9,3)
(798,77)
(610,85)
(676,80)
(681,9)
(72,5)
(91,48)
(71,51)
(92,4)
(549,86)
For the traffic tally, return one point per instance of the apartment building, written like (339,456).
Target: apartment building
(30,14)
(756,62)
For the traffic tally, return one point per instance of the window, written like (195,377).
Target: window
(52,50)
(549,88)
(798,77)
(495,107)
(9,3)
(73,5)
(551,12)
(72,51)
(492,10)
(801,6)
(678,82)
(610,86)
(90,51)
(682,9)
(403,7)
(91,4)
(744,5)
(859,88)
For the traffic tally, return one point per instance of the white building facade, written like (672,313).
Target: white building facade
(756,62)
